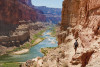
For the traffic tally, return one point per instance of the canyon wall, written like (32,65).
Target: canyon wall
(81,18)
(27,2)
(52,14)
(15,12)
(81,22)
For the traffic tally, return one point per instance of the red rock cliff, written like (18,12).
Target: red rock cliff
(82,19)
(28,2)
(82,14)
(13,11)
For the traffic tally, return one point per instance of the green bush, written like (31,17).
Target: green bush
(9,64)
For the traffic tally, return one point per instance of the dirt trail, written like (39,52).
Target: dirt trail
(61,56)
(69,52)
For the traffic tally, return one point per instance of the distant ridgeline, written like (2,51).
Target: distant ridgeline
(52,14)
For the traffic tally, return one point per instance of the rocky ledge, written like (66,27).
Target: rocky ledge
(81,21)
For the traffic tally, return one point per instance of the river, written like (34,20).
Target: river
(35,50)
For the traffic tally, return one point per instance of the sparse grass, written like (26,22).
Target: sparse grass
(29,45)
(26,46)
(36,36)
(44,51)
(4,56)
(9,64)
(53,31)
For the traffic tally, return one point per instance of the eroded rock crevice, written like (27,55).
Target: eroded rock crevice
(82,58)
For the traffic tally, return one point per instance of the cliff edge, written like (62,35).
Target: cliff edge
(81,19)
(16,12)
(81,22)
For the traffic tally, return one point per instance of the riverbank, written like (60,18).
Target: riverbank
(35,40)
(53,33)
(64,55)
(35,50)
(57,56)
(23,51)
(45,50)
(21,40)
(54,30)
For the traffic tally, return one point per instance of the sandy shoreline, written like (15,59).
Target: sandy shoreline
(21,52)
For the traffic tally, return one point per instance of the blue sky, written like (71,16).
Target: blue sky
(48,3)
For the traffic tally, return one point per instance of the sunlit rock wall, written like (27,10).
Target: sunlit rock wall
(82,19)
(13,11)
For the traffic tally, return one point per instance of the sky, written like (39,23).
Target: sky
(48,3)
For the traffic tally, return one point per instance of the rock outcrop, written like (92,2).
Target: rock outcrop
(16,38)
(15,19)
(82,18)
(81,21)
(28,2)
(21,36)
(13,12)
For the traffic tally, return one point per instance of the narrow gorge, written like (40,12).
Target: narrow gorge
(80,21)
(17,19)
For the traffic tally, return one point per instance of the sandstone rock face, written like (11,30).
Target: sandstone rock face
(80,20)
(28,2)
(16,38)
(70,13)
(82,17)
(14,11)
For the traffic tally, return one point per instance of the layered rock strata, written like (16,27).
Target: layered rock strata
(15,12)
(81,22)
(52,14)
(82,18)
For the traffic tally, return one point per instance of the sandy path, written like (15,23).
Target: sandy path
(70,51)
(60,56)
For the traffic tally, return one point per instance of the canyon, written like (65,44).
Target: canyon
(17,18)
(15,12)
(53,15)
(81,22)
